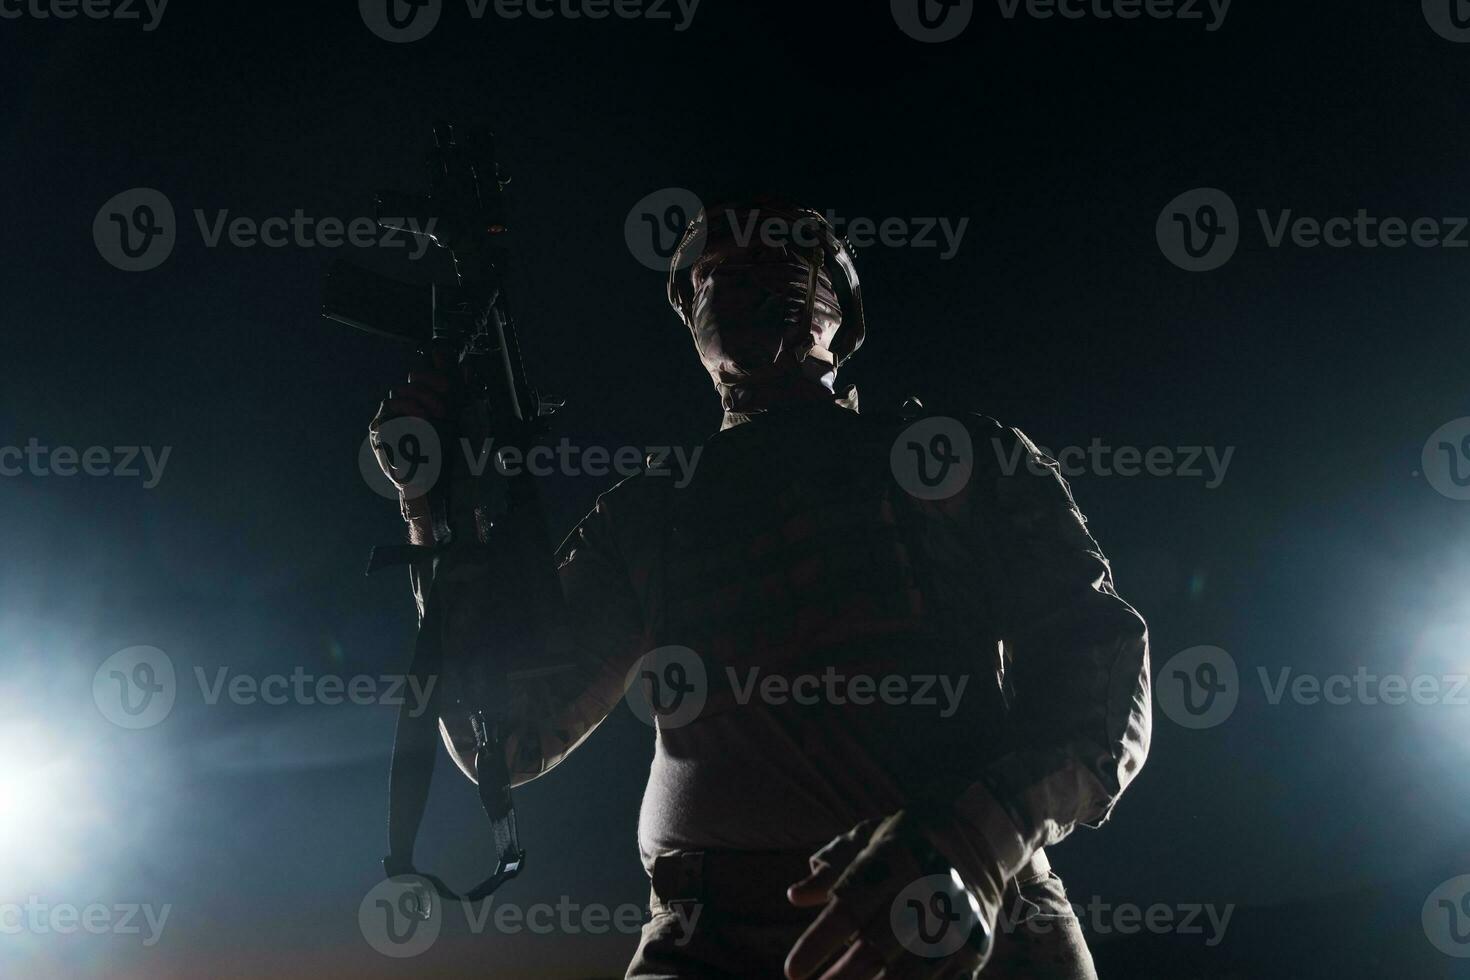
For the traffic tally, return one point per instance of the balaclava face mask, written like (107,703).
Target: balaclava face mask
(748,310)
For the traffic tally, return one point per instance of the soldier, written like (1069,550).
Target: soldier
(898,665)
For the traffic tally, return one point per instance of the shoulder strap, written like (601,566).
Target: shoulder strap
(416,749)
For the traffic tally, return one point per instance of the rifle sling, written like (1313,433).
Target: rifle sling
(416,749)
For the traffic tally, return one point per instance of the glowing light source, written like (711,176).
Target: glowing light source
(29,797)
(45,805)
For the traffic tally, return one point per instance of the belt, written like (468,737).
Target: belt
(727,879)
(740,879)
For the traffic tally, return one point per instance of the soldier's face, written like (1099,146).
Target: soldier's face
(749,310)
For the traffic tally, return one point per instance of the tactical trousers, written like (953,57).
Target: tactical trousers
(724,916)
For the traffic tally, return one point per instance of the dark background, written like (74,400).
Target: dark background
(1061,141)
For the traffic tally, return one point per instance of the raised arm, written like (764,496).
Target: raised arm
(1076,656)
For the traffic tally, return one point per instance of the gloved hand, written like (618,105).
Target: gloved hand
(402,432)
(895,907)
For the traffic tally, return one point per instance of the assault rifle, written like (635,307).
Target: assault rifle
(469,316)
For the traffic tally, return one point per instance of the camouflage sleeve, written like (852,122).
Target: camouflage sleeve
(1075,657)
(578,678)
(599,640)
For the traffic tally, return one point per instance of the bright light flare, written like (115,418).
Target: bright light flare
(31,796)
(46,806)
